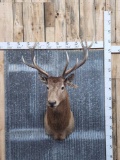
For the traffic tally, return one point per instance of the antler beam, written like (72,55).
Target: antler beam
(34,65)
(77,65)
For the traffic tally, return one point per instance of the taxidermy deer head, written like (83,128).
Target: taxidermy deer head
(59,120)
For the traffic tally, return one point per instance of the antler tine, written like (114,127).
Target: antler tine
(39,69)
(86,43)
(32,56)
(35,44)
(77,65)
(72,69)
(91,43)
(67,62)
(34,65)
(30,65)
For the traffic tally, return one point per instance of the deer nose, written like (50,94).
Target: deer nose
(52,103)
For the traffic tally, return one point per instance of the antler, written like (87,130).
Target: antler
(34,65)
(77,65)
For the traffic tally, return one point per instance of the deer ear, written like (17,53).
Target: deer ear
(43,78)
(69,78)
(68,81)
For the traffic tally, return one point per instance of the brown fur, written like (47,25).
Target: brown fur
(59,121)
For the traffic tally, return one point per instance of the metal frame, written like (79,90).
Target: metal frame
(108,49)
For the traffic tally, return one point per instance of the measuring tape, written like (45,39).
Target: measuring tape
(47,45)
(107,75)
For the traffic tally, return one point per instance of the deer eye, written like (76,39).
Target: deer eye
(47,87)
(62,88)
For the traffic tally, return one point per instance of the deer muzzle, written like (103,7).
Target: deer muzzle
(52,103)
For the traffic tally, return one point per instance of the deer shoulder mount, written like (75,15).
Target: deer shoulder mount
(59,119)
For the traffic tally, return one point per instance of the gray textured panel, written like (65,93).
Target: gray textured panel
(26,105)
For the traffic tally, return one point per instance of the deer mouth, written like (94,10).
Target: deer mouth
(51,106)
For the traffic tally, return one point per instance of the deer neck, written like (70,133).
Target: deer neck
(58,118)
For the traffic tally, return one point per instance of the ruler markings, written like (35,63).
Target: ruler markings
(107,75)
(47,45)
